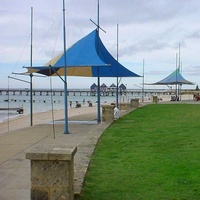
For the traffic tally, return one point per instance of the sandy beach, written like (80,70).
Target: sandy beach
(23,121)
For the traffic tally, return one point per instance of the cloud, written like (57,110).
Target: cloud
(150,30)
(192,71)
(194,35)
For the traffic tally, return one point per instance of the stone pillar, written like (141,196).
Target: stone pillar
(134,103)
(124,106)
(108,112)
(155,99)
(52,172)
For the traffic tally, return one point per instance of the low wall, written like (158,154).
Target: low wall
(108,113)
(134,103)
(155,99)
(124,106)
(52,172)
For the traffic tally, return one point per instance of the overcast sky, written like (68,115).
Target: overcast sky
(148,29)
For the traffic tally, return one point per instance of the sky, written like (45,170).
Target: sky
(149,35)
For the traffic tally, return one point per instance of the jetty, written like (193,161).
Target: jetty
(82,92)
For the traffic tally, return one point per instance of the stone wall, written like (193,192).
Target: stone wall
(52,172)
(108,113)
(134,103)
(155,99)
(124,106)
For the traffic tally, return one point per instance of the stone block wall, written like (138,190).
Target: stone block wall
(134,103)
(108,112)
(124,106)
(52,172)
(155,99)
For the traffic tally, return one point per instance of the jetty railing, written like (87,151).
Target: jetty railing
(82,92)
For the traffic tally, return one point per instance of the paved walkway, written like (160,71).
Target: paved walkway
(15,169)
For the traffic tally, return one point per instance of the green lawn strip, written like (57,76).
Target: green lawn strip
(151,153)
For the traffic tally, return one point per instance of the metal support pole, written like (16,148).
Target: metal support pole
(66,131)
(31,75)
(98,79)
(117,89)
(143,83)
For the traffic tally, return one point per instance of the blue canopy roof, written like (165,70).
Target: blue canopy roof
(173,79)
(115,69)
(88,57)
(82,53)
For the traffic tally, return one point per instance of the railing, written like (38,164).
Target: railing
(80,92)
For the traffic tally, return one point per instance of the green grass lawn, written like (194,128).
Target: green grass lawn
(152,153)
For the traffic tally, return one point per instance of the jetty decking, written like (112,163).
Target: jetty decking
(81,92)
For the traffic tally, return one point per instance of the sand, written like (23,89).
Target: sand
(23,121)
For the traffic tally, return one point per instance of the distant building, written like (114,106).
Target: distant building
(93,87)
(103,87)
(112,88)
(122,87)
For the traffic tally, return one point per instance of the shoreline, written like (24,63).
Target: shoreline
(23,121)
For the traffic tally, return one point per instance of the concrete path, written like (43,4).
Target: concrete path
(15,169)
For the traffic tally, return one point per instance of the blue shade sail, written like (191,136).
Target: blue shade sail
(173,79)
(88,58)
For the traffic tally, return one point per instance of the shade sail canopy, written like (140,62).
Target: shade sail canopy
(173,79)
(88,57)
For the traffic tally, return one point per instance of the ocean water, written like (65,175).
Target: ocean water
(42,103)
